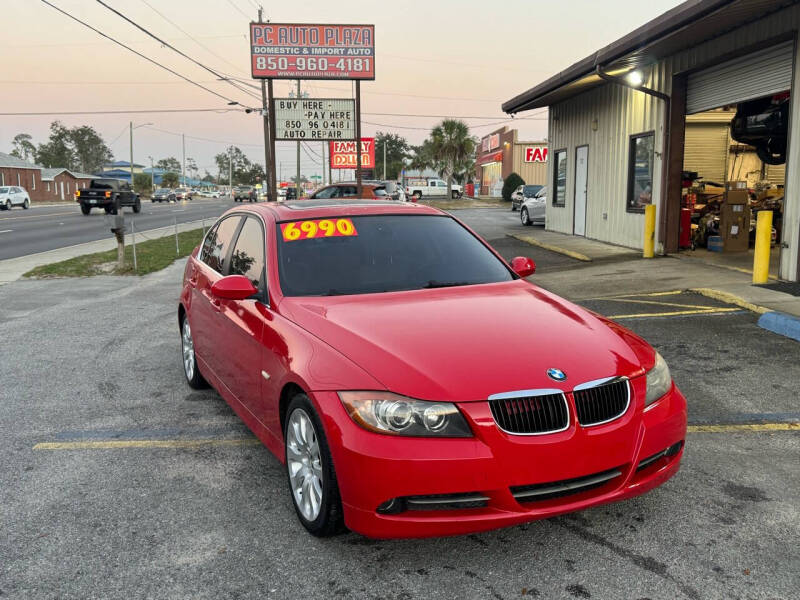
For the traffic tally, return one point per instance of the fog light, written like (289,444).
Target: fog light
(392,507)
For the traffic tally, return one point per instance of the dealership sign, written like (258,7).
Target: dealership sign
(317,119)
(343,154)
(301,51)
(536,154)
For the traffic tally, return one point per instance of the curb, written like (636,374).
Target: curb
(781,323)
(731,299)
(557,249)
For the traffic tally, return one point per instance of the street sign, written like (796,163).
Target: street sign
(302,51)
(314,119)
(343,154)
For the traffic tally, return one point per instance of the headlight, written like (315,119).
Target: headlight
(658,380)
(391,414)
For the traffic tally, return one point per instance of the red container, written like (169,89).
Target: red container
(685,238)
(469,190)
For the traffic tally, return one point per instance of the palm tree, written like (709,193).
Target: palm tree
(452,146)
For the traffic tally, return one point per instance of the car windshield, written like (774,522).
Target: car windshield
(530,190)
(3,190)
(383,253)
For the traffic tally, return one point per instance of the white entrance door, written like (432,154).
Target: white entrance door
(581,181)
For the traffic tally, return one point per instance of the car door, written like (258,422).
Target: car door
(205,307)
(241,343)
(18,197)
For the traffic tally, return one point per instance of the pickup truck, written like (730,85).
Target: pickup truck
(107,194)
(418,187)
(243,192)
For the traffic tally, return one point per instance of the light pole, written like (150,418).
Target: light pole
(131,163)
(152,175)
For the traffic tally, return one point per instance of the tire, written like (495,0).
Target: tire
(513,208)
(417,195)
(8,204)
(86,209)
(153,200)
(137,208)
(301,443)
(523,216)
(107,209)
(27,204)
(190,369)
(454,195)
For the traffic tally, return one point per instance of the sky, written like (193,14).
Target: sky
(454,58)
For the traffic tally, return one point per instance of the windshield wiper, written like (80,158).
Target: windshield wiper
(442,284)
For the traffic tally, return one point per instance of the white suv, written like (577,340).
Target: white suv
(12,195)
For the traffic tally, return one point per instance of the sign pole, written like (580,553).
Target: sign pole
(297,181)
(271,194)
(272,176)
(358,137)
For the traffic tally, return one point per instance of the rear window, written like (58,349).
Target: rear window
(530,190)
(386,253)
(103,184)
(3,190)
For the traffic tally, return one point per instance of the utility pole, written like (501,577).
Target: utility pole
(323,163)
(297,181)
(384,159)
(152,175)
(183,169)
(359,187)
(330,171)
(230,170)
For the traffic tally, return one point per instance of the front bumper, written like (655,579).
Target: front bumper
(373,469)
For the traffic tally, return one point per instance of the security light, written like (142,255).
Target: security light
(634,78)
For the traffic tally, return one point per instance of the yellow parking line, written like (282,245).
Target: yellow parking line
(743,427)
(730,299)
(676,313)
(648,295)
(111,444)
(659,302)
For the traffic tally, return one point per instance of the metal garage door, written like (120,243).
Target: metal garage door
(757,74)
(705,150)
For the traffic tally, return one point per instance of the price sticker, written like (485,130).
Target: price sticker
(318,228)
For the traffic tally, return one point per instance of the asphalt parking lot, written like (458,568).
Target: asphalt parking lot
(118,480)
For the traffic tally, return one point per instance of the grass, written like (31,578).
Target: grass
(151,255)
(460,203)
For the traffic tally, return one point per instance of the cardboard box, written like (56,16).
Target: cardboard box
(735,221)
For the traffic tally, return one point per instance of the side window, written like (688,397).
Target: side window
(328,192)
(248,254)
(223,237)
(442,184)
(348,191)
(208,244)
(560,178)
(640,172)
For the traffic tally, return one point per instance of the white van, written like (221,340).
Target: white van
(425,187)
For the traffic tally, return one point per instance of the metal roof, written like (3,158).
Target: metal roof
(684,26)
(8,161)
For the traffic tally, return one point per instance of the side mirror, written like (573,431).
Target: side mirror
(234,287)
(522,266)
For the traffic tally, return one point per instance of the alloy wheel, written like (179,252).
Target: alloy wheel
(304,462)
(188,350)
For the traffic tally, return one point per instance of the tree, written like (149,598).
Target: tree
(57,152)
(397,151)
(89,150)
(512,182)
(170,179)
(451,146)
(79,149)
(208,177)
(169,164)
(142,183)
(23,147)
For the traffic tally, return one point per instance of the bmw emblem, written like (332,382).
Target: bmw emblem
(556,374)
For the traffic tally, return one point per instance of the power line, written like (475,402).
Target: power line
(118,112)
(244,14)
(189,35)
(173,48)
(147,58)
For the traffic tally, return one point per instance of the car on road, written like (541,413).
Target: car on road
(210,194)
(163,195)
(414,383)
(425,187)
(242,193)
(107,194)
(532,211)
(522,193)
(349,189)
(13,195)
(183,194)
(395,191)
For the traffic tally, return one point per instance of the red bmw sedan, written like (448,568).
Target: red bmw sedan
(413,382)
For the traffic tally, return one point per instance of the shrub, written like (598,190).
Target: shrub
(512,182)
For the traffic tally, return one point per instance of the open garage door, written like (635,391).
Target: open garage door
(752,76)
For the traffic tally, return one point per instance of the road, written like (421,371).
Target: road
(24,232)
(160,517)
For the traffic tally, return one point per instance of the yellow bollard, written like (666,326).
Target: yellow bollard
(649,231)
(763,241)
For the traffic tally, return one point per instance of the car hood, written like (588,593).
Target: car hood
(466,343)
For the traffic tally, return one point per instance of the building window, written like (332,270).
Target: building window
(48,186)
(560,177)
(33,177)
(19,180)
(640,171)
